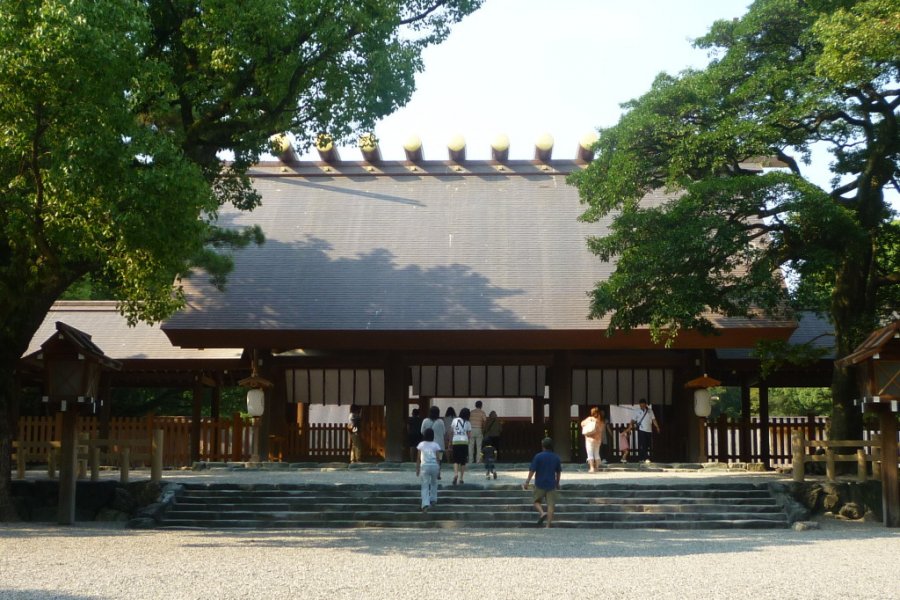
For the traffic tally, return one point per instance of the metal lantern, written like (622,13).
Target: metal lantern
(256,402)
(702,406)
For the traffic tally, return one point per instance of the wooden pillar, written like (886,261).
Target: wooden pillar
(561,406)
(890,486)
(744,426)
(105,406)
(303,426)
(68,465)
(722,439)
(765,452)
(196,415)
(215,400)
(214,413)
(396,392)
(273,411)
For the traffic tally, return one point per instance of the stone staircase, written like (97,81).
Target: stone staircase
(619,506)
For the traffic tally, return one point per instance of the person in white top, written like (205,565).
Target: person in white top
(476,419)
(645,423)
(428,466)
(591,430)
(460,431)
(435,423)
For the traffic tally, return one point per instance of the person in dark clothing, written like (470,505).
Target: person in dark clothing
(546,469)
(414,434)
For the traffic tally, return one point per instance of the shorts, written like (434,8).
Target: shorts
(551,496)
(460,454)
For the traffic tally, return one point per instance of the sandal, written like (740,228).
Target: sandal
(454,481)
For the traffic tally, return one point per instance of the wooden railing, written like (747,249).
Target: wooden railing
(862,459)
(741,441)
(94,451)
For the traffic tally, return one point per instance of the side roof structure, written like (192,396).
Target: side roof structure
(145,353)
(419,255)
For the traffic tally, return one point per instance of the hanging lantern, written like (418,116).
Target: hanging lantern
(256,402)
(702,406)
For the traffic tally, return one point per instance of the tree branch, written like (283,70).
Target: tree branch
(422,15)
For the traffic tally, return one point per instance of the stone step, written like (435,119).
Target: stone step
(506,505)
(475,493)
(314,523)
(523,513)
(596,506)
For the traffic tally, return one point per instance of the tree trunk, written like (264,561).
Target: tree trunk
(7,508)
(19,321)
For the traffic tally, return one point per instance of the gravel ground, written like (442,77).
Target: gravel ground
(841,560)
(96,561)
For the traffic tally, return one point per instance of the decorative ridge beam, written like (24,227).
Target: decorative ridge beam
(284,149)
(456,148)
(368,145)
(543,148)
(500,148)
(413,149)
(327,150)
(585,151)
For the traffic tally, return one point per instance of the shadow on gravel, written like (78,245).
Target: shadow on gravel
(43,595)
(486,543)
(532,543)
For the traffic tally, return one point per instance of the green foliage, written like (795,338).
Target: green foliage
(783,402)
(139,402)
(698,233)
(115,116)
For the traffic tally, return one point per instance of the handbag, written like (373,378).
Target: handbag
(589,428)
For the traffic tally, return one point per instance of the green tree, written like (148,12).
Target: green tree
(115,116)
(788,76)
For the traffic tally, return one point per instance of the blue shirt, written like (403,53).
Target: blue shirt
(545,465)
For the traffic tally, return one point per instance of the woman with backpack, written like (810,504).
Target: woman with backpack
(460,430)
(591,429)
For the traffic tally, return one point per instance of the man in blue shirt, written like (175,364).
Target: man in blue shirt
(546,468)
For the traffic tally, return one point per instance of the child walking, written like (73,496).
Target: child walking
(624,442)
(489,457)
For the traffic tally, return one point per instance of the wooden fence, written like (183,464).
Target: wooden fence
(230,439)
(801,447)
(221,440)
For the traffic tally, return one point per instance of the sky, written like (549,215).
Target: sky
(524,68)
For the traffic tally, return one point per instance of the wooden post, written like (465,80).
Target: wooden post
(196,415)
(237,438)
(52,456)
(125,465)
(876,457)
(890,492)
(83,443)
(396,399)
(68,466)
(765,451)
(561,406)
(744,423)
(156,460)
(95,463)
(861,465)
(830,474)
(20,459)
(702,457)
(798,447)
(722,442)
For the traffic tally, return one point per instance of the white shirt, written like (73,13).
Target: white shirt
(428,451)
(461,429)
(645,423)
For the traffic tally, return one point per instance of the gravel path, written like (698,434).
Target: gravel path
(97,561)
(841,560)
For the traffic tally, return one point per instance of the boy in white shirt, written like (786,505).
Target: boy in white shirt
(428,467)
